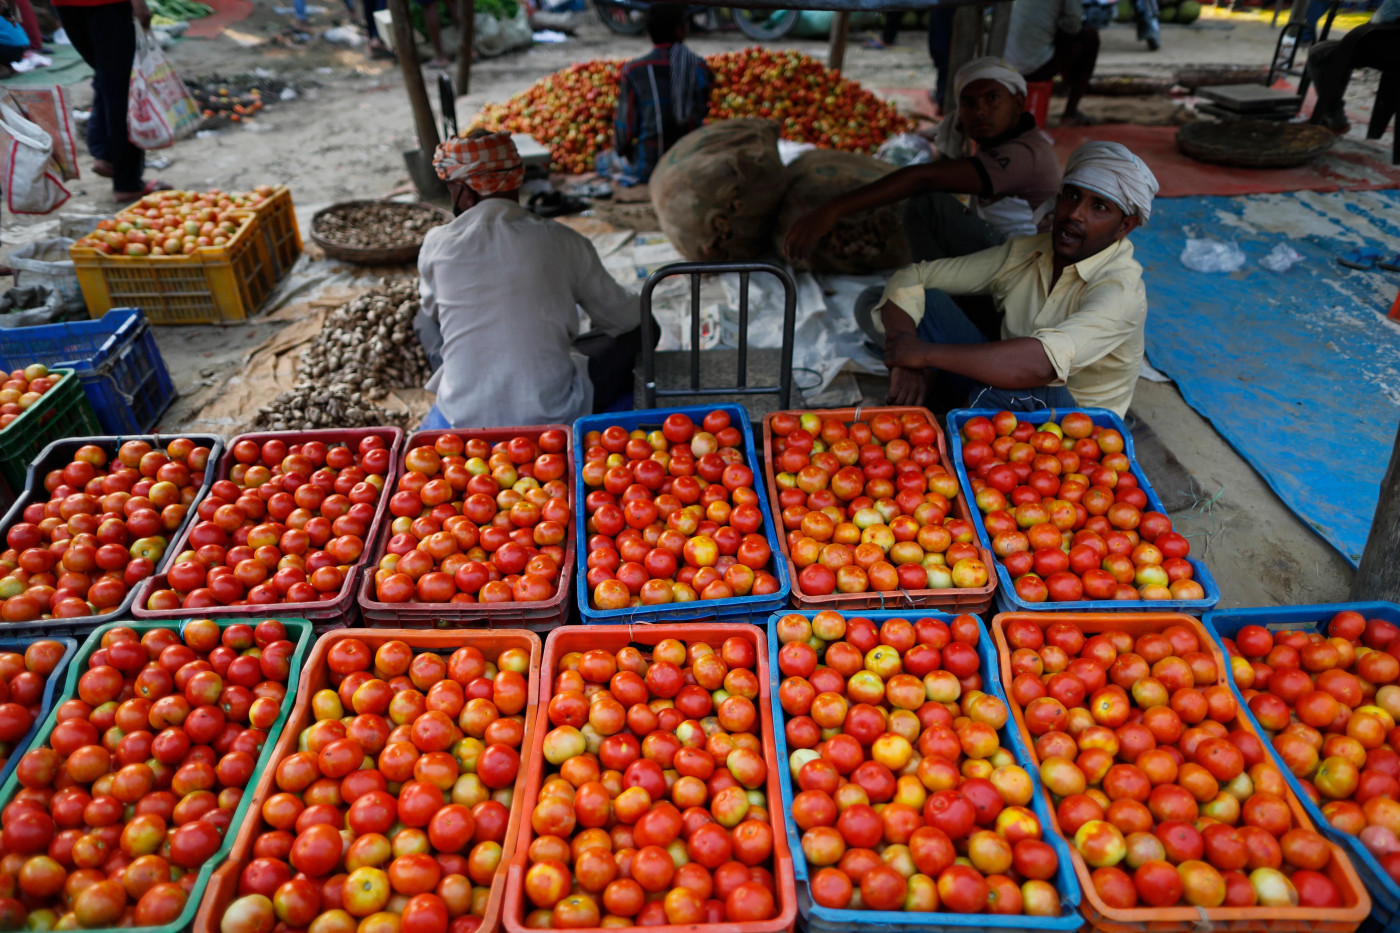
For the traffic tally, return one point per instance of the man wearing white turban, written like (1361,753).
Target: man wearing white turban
(1011,175)
(1073,302)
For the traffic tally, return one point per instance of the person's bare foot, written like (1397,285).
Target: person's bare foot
(1077,118)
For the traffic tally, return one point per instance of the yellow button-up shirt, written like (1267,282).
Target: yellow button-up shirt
(1091,323)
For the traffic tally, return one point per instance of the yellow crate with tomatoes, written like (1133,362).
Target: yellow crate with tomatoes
(183,257)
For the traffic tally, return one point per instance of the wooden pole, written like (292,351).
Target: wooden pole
(467,14)
(840,29)
(967,33)
(1001,25)
(406,48)
(1378,577)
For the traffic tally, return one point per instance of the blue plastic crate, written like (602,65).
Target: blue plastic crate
(1006,596)
(117,361)
(820,919)
(753,609)
(1222,624)
(52,685)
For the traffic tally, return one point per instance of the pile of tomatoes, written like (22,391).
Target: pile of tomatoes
(22,681)
(22,388)
(476,522)
(653,810)
(571,111)
(1066,516)
(866,505)
(1166,793)
(906,798)
(103,530)
(391,815)
(1329,705)
(175,223)
(288,525)
(136,786)
(672,515)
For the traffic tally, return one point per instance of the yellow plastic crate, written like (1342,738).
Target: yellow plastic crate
(212,285)
(276,223)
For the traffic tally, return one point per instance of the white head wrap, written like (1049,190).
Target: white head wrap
(1112,171)
(949,139)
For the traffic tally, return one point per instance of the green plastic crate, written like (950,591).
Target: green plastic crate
(298,630)
(63,411)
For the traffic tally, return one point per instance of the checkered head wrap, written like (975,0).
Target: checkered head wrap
(487,164)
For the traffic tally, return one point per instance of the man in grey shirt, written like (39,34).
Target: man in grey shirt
(1048,38)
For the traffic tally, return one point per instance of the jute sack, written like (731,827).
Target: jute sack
(717,191)
(859,243)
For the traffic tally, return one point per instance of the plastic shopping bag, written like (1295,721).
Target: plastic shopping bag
(31,177)
(159,108)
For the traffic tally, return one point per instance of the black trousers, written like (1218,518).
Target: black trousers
(105,36)
(1373,45)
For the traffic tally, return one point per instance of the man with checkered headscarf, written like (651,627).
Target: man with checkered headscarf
(501,292)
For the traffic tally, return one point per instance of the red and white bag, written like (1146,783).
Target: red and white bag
(159,109)
(31,176)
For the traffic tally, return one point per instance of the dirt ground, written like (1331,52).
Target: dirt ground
(344,134)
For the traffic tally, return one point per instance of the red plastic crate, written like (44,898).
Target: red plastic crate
(975,600)
(1356,902)
(540,616)
(612,638)
(315,675)
(325,614)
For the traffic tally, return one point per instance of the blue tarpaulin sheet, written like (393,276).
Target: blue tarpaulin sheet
(1299,371)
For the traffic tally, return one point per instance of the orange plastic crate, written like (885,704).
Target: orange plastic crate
(976,600)
(315,675)
(612,638)
(1356,903)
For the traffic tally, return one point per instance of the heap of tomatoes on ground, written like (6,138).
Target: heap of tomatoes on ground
(391,815)
(103,529)
(1166,794)
(906,798)
(653,808)
(1066,516)
(476,522)
(1329,704)
(138,782)
(23,677)
(22,388)
(288,525)
(672,515)
(867,505)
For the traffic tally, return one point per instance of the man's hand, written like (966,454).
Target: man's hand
(142,12)
(803,236)
(906,387)
(904,351)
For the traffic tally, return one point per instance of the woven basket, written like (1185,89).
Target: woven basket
(373,255)
(1254,143)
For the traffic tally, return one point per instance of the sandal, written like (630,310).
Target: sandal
(151,187)
(1363,258)
(554,204)
(1390,265)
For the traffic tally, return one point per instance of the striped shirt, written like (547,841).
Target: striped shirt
(644,124)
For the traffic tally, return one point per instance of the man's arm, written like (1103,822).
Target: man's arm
(958,176)
(1018,363)
(1071,18)
(611,308)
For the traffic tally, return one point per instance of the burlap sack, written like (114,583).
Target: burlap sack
(859,243)
(717,191)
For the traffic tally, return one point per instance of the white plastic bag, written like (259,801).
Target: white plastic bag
(30,174)
(47,263)
(1207,254)
(159,108)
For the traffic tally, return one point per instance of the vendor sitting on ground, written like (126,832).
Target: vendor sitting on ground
(660,97)
(503,287)
(1011,175)
(1073,302)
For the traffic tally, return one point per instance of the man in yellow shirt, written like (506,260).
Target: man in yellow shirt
(1073,302)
